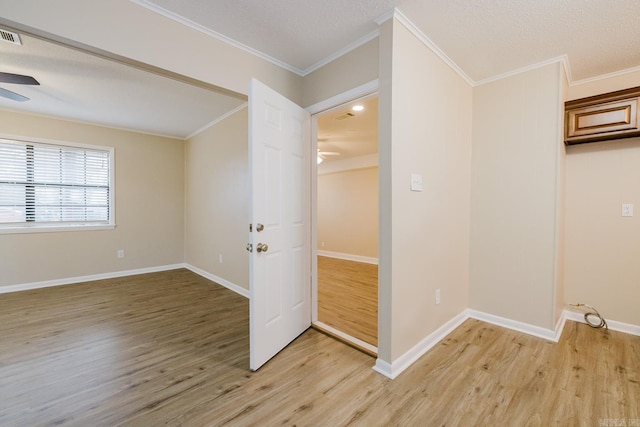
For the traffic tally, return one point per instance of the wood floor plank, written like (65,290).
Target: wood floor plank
(348,297)
(172,349)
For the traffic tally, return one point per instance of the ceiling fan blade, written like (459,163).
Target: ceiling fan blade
(18,79)
(12,95)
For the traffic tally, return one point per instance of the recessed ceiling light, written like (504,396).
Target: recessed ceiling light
(357,108)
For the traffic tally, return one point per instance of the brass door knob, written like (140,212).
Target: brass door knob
(262,247)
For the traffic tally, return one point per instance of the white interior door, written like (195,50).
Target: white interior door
(280,275)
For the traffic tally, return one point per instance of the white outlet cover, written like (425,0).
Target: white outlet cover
(416,182)
(627,209)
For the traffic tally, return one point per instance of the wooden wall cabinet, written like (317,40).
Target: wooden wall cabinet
(612,115)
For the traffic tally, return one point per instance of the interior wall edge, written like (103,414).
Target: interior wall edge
(219,280)
(536,331)
(395,368)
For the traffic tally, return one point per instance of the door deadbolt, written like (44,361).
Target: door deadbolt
(262,247)
(259,227)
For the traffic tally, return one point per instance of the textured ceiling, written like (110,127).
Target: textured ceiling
(87,88)
(485,38)
(350,133)
(297,33)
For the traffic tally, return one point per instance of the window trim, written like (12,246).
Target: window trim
(34,227)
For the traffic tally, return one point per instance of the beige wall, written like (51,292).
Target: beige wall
(426,131)
(561,217)
(348,212)
(514,196)
(149,188)
(602,249)
(122,28)
(345,73)
(217,199)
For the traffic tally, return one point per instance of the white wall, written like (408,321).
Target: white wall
(149,190)
(217,199)
(515,179)
(425,128)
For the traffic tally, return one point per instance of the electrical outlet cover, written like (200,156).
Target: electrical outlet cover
(416,182)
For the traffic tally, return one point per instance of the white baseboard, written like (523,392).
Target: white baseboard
(219,280)
(536,331)
(347,337)
(614,325)
(349,257)
(384,368)
(560,325)
(90,278)
(392,370)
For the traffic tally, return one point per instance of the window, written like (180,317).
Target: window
(46,186)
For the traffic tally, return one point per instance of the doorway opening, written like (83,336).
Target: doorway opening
(347,223)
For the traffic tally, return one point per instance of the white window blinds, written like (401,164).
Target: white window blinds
(54,184)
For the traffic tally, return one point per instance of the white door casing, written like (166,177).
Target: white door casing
(280,277)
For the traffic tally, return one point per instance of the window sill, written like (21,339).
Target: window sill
(48,228)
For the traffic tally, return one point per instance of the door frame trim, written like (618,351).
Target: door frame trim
(361,91)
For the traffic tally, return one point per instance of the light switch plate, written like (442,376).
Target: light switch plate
(416,182)
(627,209)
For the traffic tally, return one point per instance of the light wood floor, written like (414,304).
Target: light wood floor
(172,349)
(348,297)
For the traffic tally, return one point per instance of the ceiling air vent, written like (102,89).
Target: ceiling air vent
(9,36)
(345,116)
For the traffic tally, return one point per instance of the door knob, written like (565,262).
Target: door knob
(262,247)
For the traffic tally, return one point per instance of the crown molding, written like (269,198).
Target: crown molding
(218,120)
(147,4)
(201,28)
(558,59)
(348,48)
(605,76)
(406,22)
(385,16)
